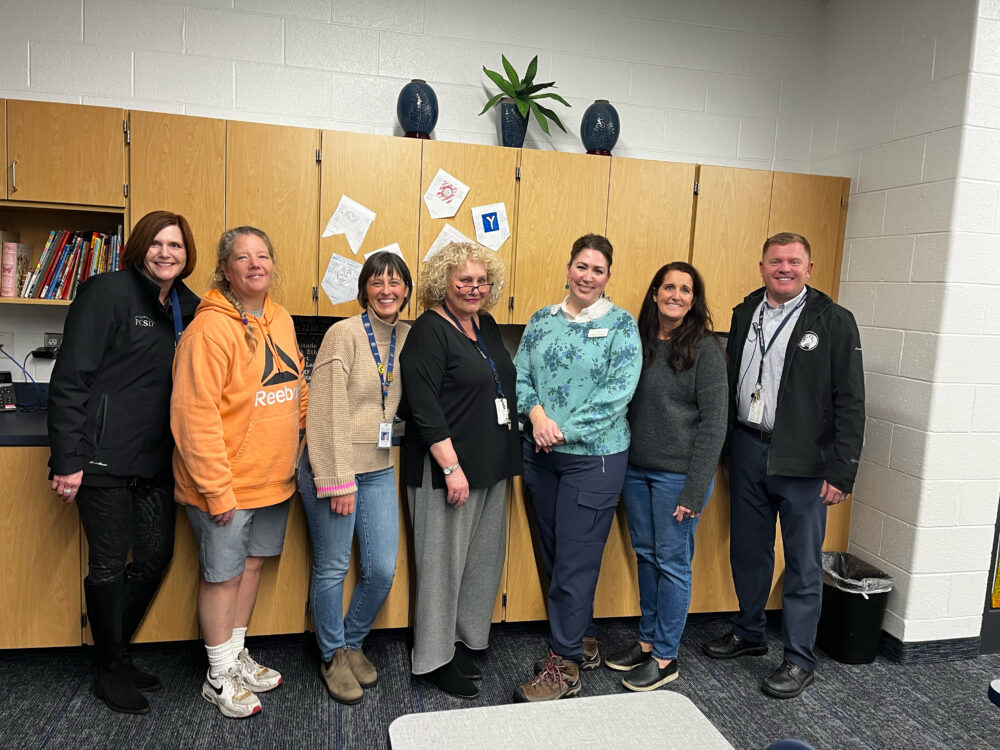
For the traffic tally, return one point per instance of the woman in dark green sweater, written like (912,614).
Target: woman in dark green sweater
(678,423)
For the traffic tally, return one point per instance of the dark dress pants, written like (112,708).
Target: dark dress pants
(574,498)
(757,501)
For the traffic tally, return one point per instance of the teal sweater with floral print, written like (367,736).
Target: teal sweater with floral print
(583,375)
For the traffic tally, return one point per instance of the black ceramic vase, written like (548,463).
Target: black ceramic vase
(600,128)
(417,109)
(512,126)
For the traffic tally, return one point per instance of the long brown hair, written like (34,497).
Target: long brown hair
(697,324)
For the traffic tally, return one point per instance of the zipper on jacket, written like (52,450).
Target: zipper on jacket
(101,421)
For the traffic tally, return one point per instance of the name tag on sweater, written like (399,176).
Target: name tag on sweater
(597,333)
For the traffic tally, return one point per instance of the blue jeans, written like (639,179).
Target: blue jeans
(376,521)
(663,548)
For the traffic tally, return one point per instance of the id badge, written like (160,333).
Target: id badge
(597,333)
(756,415)
(385,434)
(503,413)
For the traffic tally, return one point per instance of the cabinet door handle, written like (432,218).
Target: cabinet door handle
(13,176)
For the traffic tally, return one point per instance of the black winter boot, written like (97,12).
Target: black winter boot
(112,678)
(137,597)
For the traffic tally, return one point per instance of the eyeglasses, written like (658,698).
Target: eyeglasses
(470,288)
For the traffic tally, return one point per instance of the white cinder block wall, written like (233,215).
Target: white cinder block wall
(909,110)
(878,91)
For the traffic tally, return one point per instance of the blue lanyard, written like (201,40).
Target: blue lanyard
(760,334)
(384,372)
(479,343)
(175,304)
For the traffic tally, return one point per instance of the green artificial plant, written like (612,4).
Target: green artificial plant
(524,92)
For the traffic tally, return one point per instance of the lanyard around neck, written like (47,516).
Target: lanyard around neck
(175,305)
(479,343)
(384,372)
(760,334)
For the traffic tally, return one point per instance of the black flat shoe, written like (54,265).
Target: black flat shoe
(465,662)
(731,646)
(629,658)
(449,679)
(649,675)
(787,681)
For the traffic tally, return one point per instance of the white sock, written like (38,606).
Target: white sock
(220,658)
(237,639)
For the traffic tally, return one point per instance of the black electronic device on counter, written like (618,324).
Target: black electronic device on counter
(8,401)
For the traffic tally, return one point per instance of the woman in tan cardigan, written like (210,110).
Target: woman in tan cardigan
(346,476)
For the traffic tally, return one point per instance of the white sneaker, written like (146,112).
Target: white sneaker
(258,678)
(230,693)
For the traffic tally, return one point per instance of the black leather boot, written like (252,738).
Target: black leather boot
(137,597)
(112,677)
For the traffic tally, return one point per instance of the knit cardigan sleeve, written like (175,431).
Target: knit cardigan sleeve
(328,432)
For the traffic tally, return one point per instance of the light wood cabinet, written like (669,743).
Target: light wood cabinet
(173,614)
(40,600)
(382,174)
(3,148)
(562,197)
(730,227)
(65,153)
(650,206)
(814,206)
(272,183)
(490,172)
(178,163)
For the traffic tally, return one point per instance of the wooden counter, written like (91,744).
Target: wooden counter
(44,561)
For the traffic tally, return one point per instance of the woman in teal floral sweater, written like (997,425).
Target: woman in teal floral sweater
(577,367)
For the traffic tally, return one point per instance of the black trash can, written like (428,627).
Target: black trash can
(855,594)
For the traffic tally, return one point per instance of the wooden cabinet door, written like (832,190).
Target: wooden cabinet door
(40,599)
(490,172)
(178,164)
(815,207)
(3,148)
(272,183)
(173,615)
(650,206)
(562,197)
(730,227)
(66,153)
(284,581)
(382,173)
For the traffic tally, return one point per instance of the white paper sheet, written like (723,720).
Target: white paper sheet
(352,220)
(340,282)
(445,195)
(393,248)
(447,234)
(492,229)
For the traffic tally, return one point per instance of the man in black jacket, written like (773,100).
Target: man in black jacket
(796,427)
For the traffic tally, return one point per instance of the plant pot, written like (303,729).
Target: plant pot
(600,128)
(511,126)
(417,109)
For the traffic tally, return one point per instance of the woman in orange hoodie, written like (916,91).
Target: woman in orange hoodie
(238,407)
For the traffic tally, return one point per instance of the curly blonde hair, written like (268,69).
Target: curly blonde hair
(435,273)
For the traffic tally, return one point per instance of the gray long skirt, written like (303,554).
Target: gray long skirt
(459,559)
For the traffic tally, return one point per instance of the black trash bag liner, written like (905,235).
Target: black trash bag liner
(853,575)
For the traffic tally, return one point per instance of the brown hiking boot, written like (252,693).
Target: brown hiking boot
(340,680)
(559,678)
(363,669)
(591,654)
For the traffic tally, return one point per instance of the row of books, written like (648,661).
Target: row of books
(69,259)
(15,263)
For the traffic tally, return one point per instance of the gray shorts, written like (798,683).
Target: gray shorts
(223,550)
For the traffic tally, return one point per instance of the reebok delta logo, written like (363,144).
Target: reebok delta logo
(273,376)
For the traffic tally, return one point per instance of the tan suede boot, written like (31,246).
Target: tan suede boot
(340,680)
(363,669)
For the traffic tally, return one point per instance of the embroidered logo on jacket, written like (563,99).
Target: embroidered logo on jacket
(144,321)
(809,341)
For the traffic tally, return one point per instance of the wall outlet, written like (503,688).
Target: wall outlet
(7,342)
(52,339)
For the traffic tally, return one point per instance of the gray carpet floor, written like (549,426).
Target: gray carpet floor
(45,698)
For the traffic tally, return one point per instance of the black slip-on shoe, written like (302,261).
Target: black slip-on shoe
(650,675)
(629,658)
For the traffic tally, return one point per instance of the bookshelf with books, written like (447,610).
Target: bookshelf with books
(68,245)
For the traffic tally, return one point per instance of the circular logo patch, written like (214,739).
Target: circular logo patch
(809,341)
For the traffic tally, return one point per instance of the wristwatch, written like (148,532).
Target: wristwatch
(449,469)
